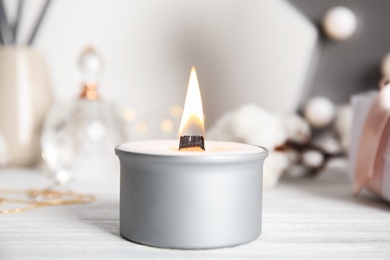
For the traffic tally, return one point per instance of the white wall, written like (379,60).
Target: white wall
(244,51)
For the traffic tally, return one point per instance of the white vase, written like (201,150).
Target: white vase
(25,96)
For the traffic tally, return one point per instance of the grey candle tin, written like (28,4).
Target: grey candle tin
(190,202)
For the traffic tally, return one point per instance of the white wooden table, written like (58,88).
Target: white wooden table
(302,219)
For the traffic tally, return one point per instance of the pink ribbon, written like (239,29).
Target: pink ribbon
(372,145)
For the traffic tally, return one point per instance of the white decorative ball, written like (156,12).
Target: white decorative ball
(319,111)
(385,65)
(329,144)
(312,158)
(339,23)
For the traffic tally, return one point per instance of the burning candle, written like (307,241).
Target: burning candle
(192,193)
(192,122)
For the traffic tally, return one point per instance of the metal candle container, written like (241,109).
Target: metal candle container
(190,200)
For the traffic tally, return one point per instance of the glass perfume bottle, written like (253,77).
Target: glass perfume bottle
(79,137)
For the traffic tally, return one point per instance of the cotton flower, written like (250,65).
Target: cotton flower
(328,144)
(250,124)
(274,167)
(253,125)
(298,129)
(313,158)
(221,131)
(319,111)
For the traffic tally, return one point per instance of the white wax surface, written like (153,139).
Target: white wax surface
(170,147)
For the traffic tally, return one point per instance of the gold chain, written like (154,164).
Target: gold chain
(43,198)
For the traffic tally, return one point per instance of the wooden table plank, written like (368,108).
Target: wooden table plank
(302,219)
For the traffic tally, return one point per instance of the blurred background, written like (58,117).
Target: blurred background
(276,54)
(244,51)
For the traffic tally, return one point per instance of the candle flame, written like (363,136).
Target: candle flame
(192,121)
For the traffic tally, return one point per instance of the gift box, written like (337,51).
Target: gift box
(370,144)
